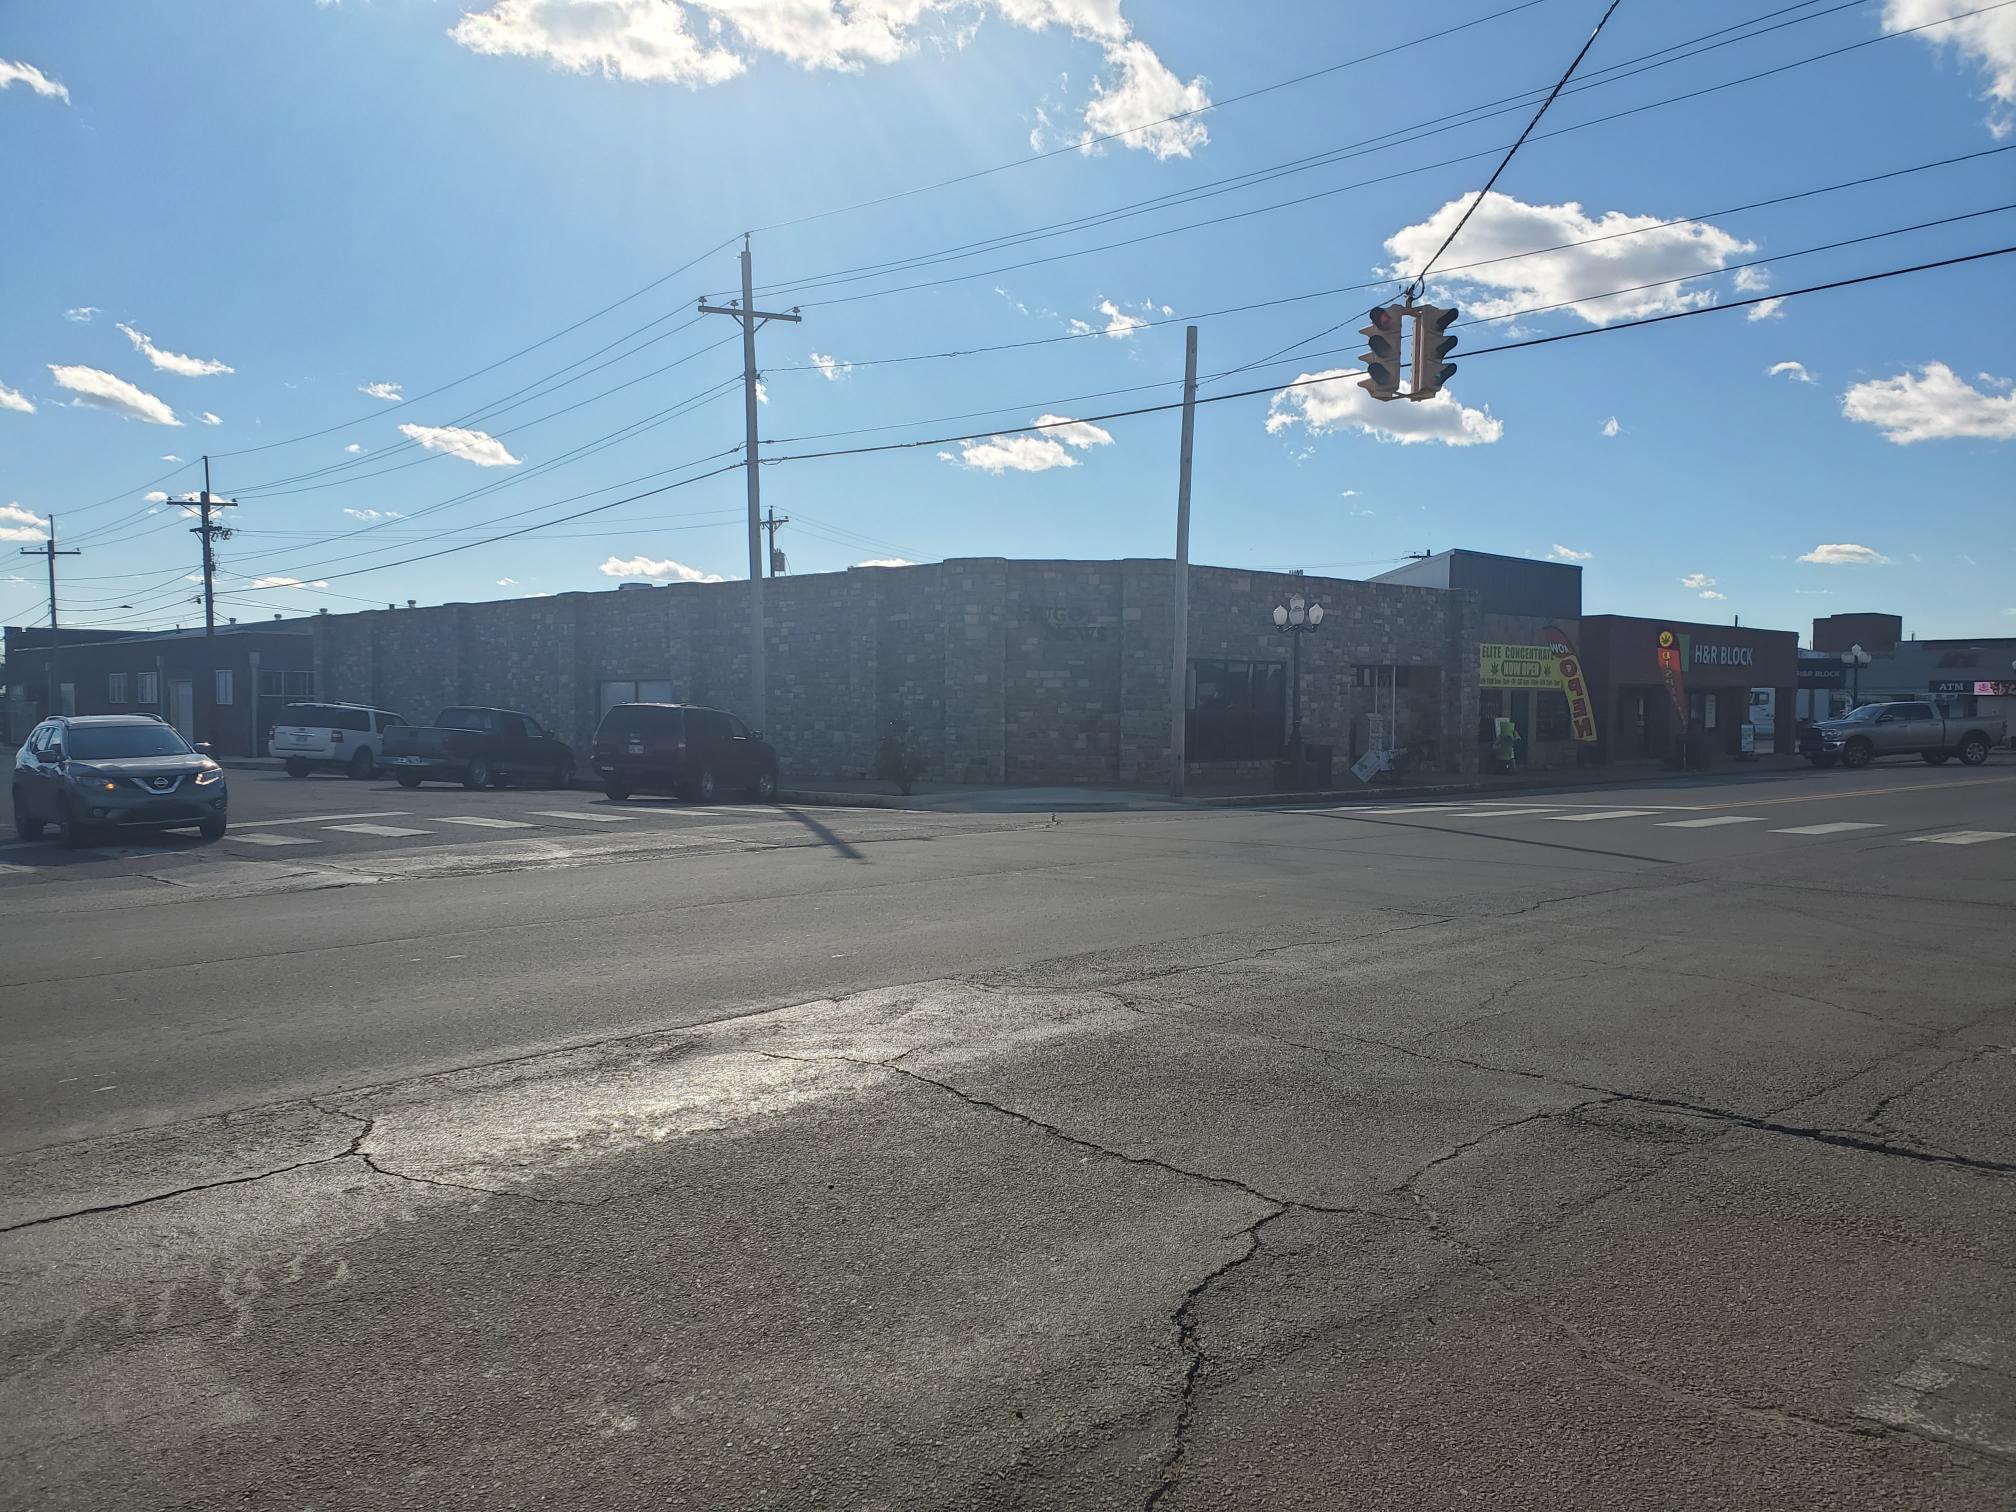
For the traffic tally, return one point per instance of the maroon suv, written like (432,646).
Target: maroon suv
(683,749)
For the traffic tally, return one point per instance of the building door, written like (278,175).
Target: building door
(182,707)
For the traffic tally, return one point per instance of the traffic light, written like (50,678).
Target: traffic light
(1382,359)
(1430,347)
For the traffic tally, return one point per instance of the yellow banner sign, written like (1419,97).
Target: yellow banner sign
(1520,667)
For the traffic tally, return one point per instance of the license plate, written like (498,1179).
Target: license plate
(634,748)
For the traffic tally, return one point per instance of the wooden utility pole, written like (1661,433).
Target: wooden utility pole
(1180,656)
(210,532)
(751,318)
(771,520)
(48,549)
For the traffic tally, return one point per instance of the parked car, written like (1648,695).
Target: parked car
(1898,729)
(85,773)
(344,737)
(683,749)
(477,748)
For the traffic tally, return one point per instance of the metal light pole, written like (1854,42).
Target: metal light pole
(1295,619)
(1857,658)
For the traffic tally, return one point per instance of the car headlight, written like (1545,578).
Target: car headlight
(209,775)
(92,779)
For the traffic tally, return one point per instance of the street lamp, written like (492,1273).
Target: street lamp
(1857,658)
(1295,619)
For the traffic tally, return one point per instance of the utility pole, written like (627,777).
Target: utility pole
(48,549)
(210,532)
(771,520)
(751,318)
(1180,656)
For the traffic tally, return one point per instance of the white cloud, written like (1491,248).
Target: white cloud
(886,562)
(173,362)
(1118,322)
(155,496)
(1611,427)
(373,514)
(209,419)
(1569,554)
(480,447)
(1936,405)
(170,457)
(1987,39)
(1146,92)
(354,449)
(762,392)
(832,369)
(1710,593)
(644,41)
(1504,227)
(34,78)
(285,582)
(1845,555)
(14,399)
(1790,370)
(648,567)
(1333,405)
(1096,20)
(1752,280)
(507,582)
(386,391)
(81,314)
(1767,309)
(1031,453)
(18,524)
(1697,580)
(100,390)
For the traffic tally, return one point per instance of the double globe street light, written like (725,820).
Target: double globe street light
(1295,619)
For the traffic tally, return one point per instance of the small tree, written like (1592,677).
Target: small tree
(895,761)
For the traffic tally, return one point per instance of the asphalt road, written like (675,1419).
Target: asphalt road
(1642,1147)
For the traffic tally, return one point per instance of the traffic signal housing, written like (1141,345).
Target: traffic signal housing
(1430,347)
(1382,355)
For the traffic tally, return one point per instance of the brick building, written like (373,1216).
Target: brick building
(1021,672)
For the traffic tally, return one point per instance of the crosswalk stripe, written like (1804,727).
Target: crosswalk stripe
(391,831)
(1405,808)
(477,822)
(1605,814)
(257,839)
(1963,837)
(1499,813)
(1712,822)
(1824,829)
(591,817)
(239,824)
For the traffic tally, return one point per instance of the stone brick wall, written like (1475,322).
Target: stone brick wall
(1021,672)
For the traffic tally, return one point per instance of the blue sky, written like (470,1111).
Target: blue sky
(257,210)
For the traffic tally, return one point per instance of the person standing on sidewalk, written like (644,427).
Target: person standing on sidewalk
(1505,745)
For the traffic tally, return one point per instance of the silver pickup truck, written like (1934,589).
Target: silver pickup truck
(1898,729)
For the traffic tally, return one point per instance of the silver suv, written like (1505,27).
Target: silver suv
(84,773)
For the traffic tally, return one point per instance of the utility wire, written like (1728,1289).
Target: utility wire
(1506,161)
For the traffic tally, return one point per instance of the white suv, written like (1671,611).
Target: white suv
(335,735)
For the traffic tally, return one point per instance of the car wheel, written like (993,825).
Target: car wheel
(764,790)
(615,792)
(1974,749)
(211,829)
(1935,758)
(1857,753)
(362,765)
(296,767)
(75,834)
(26,825)
(477,775)
(407,779)
(704,788)
(563,775)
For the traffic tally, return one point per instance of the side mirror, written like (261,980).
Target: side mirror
(57,754)
(204,748)
(755,734)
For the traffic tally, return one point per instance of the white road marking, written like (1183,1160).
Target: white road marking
(1409,808)
(390,830)
(1500,813)
(1963,837)
(1713,822)
(274,840)
(1824,829)
(15,871)
(319,819)
(1605,814)
(591,816)
(476,822)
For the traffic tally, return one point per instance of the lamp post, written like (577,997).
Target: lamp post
(1295,619)
(1857,658)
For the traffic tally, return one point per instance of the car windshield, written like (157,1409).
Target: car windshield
(1866,713)
(118,742)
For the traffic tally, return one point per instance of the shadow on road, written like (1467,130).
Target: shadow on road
(826,836)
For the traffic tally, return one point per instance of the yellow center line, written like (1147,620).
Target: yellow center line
(1905,787)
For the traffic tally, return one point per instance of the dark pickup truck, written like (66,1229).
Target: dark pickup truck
(477,748)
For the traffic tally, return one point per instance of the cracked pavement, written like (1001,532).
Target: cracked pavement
(1171,1161)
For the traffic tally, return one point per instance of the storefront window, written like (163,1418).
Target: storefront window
(1550,716)
(1237,710)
